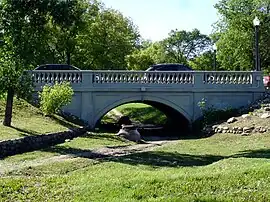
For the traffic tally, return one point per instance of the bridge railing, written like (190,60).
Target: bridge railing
(187,79)
(141,77)
(45,76)
(228,78)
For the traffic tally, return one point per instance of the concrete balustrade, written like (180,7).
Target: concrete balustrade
(142,77)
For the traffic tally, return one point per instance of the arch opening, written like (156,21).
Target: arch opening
(154,118)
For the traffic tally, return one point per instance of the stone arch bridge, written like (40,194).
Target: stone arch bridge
(176,94)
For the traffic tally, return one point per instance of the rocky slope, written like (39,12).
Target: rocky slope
(253,119)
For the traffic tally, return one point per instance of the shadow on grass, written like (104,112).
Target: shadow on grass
(261,153)
(63,122)
(105,137)
(24,132)
(167,159)
(155,158)
(151,158)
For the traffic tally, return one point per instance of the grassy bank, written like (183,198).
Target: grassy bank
(139,112)
(219,168)
(224,167)
(28,120)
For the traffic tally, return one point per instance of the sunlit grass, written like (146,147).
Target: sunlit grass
(224,167)
(27,120)
(220,168)
(139,112)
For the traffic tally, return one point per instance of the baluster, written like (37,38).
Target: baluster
(180,77)
(177,77)
(116,78)
(42,78)
(150,78)
(46,77)
(248,79)
(65,76)
(96,78)
(214,78)
(50,78)
(69,77)
(37,75)
(221,79)
(187,78)
(227,79)
(79,78)
(107,78)
(230,79)
(240,79)
(123,78)
(130,79)
(120,78)
(161,78)
(243,79)
(190,78)
(137,78)
(134,78)
(172,75)
(154,77)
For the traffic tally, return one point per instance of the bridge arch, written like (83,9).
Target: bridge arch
(170,109)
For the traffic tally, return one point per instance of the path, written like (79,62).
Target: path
(105,152)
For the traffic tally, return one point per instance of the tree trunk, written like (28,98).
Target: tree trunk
(9,105)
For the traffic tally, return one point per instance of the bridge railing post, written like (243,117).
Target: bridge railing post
(199,79)
(257,79)
(87,78)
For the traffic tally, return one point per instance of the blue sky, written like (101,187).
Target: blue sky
(156,18)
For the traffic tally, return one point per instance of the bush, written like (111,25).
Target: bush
(53,98)
(212,115)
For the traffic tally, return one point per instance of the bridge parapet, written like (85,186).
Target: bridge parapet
(157,79)
(142,77)
(45,76)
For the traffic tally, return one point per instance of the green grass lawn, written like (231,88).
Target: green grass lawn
(219,168)
(224,167)
(140,112)
(28,120)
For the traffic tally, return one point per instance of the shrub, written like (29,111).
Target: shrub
(212,115)
(53,98)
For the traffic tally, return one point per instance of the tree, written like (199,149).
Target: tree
(149,54)
(235,33)
(22,27)
(106,41)
(25,30)
(204,62)
(68,20)
(182,46)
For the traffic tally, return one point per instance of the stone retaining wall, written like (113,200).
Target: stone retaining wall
(31,143)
